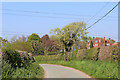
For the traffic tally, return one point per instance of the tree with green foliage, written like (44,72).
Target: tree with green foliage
(36,43)
(58,43)
(71,33)
(0,42)
(91,44)
(21,44)
(112,41)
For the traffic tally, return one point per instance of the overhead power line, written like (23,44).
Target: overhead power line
(14,14)
(39,16)
(98,11)
(38,12)
(103,16)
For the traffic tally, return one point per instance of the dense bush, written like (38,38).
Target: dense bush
(13,57)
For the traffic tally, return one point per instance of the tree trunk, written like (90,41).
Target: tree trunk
(65,55)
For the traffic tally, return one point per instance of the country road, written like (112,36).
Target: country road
(58,71)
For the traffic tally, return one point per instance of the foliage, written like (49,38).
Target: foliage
(91,44)
(35,41)
(53,53)
(82,44)
(74,54)
(3,42)
(23,46)
(0,42)
(95,69)
(6,70)
(34,37)
(91,54)
(57,43)
(70,33)
(20,44)
(81,54)
(32,71)
(49,57)
(13,57)
(112,41)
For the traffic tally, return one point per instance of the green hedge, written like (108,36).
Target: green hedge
(91,54)
(49,57)
(53,53)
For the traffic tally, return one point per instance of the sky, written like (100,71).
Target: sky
(25,18)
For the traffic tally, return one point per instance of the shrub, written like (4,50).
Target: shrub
(13,57)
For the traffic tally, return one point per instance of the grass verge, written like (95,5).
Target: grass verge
(95,69)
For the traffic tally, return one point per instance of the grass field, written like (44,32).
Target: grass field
(95,69)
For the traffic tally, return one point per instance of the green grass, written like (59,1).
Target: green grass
(95,69)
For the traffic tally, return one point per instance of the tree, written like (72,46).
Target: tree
(36,43)
(0,42)
(57,43)
(91,44)
(69,34)
(112,41)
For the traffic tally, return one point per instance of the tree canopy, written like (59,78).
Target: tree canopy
(71,33)
(36,44)
(34,37)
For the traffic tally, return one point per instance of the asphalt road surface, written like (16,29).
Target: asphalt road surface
(58,71)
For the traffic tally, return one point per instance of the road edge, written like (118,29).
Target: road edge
(69,68)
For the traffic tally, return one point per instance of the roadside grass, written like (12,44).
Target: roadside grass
(95,69)
(32,71)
